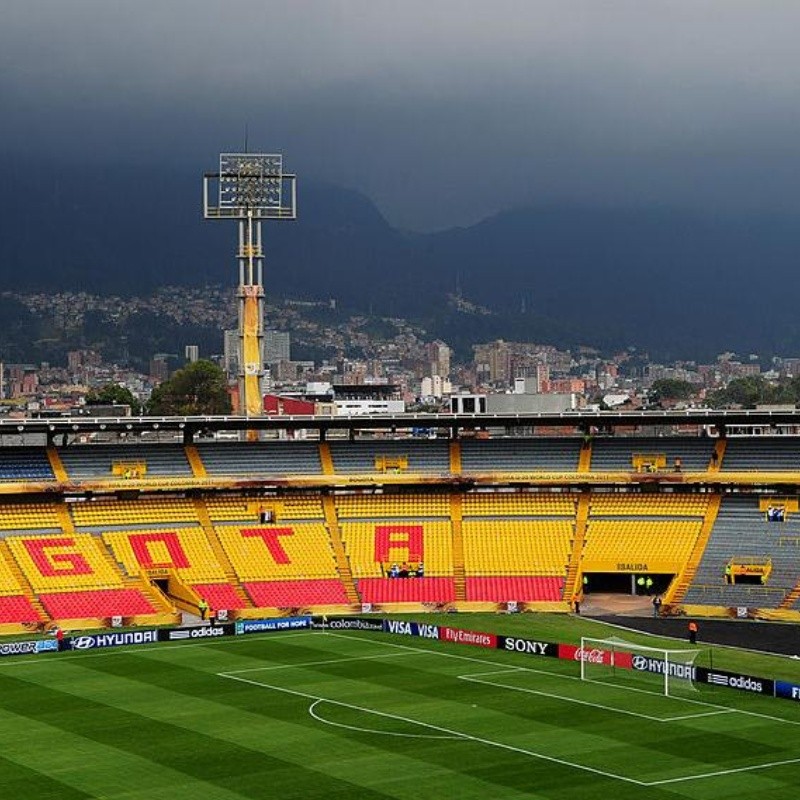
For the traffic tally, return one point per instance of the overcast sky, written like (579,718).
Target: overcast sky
(442,111)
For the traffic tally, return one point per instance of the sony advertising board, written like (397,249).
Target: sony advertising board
(269,625)
(119,639)
(514,644)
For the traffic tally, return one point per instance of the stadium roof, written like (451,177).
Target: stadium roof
(456,424)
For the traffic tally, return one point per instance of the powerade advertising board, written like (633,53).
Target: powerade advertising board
(269,625)
(28,648)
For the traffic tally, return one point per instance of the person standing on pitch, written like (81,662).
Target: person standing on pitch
(693,632)
(656,605)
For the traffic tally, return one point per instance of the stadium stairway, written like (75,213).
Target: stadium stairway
(65,519)
(719,450)
(57,465)
(792,597)
(459,571)
(326,459)
(578,540)
(195,462)
(219,551)
(677,591)
(339,554)
(455,458)
(24,583)
(585,457)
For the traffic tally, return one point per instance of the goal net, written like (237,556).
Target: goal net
(649,669)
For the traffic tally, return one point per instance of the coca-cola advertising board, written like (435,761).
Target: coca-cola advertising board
(595,655)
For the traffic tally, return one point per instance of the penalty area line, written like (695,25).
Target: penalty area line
(449,731)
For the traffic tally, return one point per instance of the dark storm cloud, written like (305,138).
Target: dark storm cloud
(442,111)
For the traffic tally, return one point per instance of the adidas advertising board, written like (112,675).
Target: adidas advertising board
(196,633)
(513,644)
(268,625)
(734,680)
(90,642)
(347,624)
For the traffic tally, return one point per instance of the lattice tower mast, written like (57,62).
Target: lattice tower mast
(249,188)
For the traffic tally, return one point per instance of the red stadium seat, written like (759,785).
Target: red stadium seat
(17,608)
(219,595)
(101,603)
(497,589)
(293,594)
(407,590)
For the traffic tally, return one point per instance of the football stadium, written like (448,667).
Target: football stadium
(336,608)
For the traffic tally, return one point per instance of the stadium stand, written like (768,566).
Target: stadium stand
(15,606)
(520,455)
(767,454)
(293,564)
(102,513)
(21,516)
(105,462)
(387,455)
(262,458)
(24,464)
(742,532)
(617,454)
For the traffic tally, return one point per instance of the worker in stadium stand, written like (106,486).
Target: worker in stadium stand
(693,632)
(728,574)
(640,585)
(420,570)
(656,605)
(404,570)
(678,463)
(202,609)
(394,572)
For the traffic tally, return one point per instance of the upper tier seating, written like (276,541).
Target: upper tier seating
(143,512)
(518,504)
(29,517)
(520,455)
(649,505)
(24,464)
(299,551)
(669,542)
(392,506)
(97,462)
(767,454)
(516,547)
(64,563)
(186,551)
(741,530)
(364,457)
(261,458)
(616,454)
(364,543)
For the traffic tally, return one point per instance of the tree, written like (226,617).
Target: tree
(114,394)
(198,388)
(671,389)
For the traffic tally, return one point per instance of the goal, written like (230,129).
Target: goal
(634,666)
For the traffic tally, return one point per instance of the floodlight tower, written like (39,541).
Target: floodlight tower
(250,187)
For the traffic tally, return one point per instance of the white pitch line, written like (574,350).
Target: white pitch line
(475,679)
(454,733)
(302,664)
(372,730)
(566,677)
(718,773)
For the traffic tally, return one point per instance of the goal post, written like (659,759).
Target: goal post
(626,664)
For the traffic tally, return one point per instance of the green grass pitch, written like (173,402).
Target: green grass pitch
(316,714)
